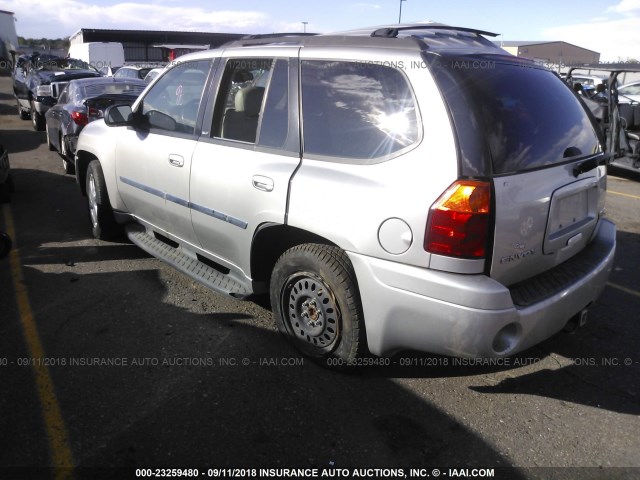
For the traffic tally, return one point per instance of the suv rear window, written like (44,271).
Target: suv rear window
(527,116)
(351,110)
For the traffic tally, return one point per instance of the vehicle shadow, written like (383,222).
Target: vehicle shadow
(598,365)
(207,389)
(16,141)
(623,173)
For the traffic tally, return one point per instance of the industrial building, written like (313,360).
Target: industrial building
(554,53)
(149,46)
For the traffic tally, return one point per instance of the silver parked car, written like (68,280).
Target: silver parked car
(401,187)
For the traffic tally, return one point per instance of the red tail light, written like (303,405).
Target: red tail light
(458,222)
(95,113)
(80,118)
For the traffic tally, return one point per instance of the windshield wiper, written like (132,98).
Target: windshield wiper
(590,164)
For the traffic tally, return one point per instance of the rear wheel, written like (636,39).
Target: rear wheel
(67,166)
(316,303)
(37,119)
(49,144)
(21,112)
(103,223)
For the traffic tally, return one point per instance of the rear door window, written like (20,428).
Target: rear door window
(356,112)
(254,104)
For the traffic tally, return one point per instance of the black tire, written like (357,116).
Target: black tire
(5,244)
(68,167)
(6,189)
(37,120)
(24,115)
(316,303)
(103,223)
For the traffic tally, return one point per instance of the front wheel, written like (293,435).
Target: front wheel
(103,223)
(316,303)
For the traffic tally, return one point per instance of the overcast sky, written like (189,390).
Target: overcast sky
(609,27)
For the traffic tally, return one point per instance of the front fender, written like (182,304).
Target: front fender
(97,141)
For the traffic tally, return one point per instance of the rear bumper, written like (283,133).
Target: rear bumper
(411,308)
(43,104)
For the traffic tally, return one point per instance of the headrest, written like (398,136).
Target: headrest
(253,101)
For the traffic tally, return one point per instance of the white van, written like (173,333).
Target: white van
(103,56)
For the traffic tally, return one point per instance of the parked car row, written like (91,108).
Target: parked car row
(81,102)
(39,80)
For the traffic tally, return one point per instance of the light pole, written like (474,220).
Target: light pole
(304,26)
(400,15)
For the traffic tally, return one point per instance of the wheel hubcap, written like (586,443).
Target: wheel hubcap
(93,203)
(313,313)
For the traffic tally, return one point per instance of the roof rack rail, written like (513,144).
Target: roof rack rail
(276,35)
(392,32)
(267,39)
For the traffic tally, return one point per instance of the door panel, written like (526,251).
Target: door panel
(153,164)
(229,199)
(152,187)
(240,177)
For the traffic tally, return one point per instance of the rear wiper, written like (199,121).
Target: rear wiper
(590,164)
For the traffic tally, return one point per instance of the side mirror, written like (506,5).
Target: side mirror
(118,115)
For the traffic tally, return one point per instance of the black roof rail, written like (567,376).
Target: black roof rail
(276,35)
(268,39)
(392,32)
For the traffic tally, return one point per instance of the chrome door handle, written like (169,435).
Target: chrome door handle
(262,183)
(176,160)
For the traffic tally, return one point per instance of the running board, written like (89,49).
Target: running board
(204,274)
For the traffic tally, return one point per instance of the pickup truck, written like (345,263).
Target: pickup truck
(39,79)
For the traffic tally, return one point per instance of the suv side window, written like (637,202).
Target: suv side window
(359,111)
(172,104)
(240,102)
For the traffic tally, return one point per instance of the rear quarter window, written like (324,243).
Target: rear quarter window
(356,112)
(527,117)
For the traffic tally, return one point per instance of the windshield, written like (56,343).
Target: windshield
(95,89)
(62,64)
(524,117)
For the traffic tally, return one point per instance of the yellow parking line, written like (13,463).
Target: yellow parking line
(61,455)
(624,289)
(624,194)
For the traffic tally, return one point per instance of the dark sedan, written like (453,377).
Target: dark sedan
(81,102)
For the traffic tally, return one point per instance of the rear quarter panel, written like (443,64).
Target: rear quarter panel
(348,203)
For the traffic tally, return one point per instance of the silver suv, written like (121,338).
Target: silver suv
(406,187)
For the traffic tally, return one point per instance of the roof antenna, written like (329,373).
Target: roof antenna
(400,14)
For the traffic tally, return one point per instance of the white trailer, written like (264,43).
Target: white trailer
(100,55)
(8,36)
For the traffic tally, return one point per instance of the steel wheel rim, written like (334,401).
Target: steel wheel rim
(93,203)
(33,114)
(311,311)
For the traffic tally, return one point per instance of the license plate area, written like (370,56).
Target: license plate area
(573,211)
